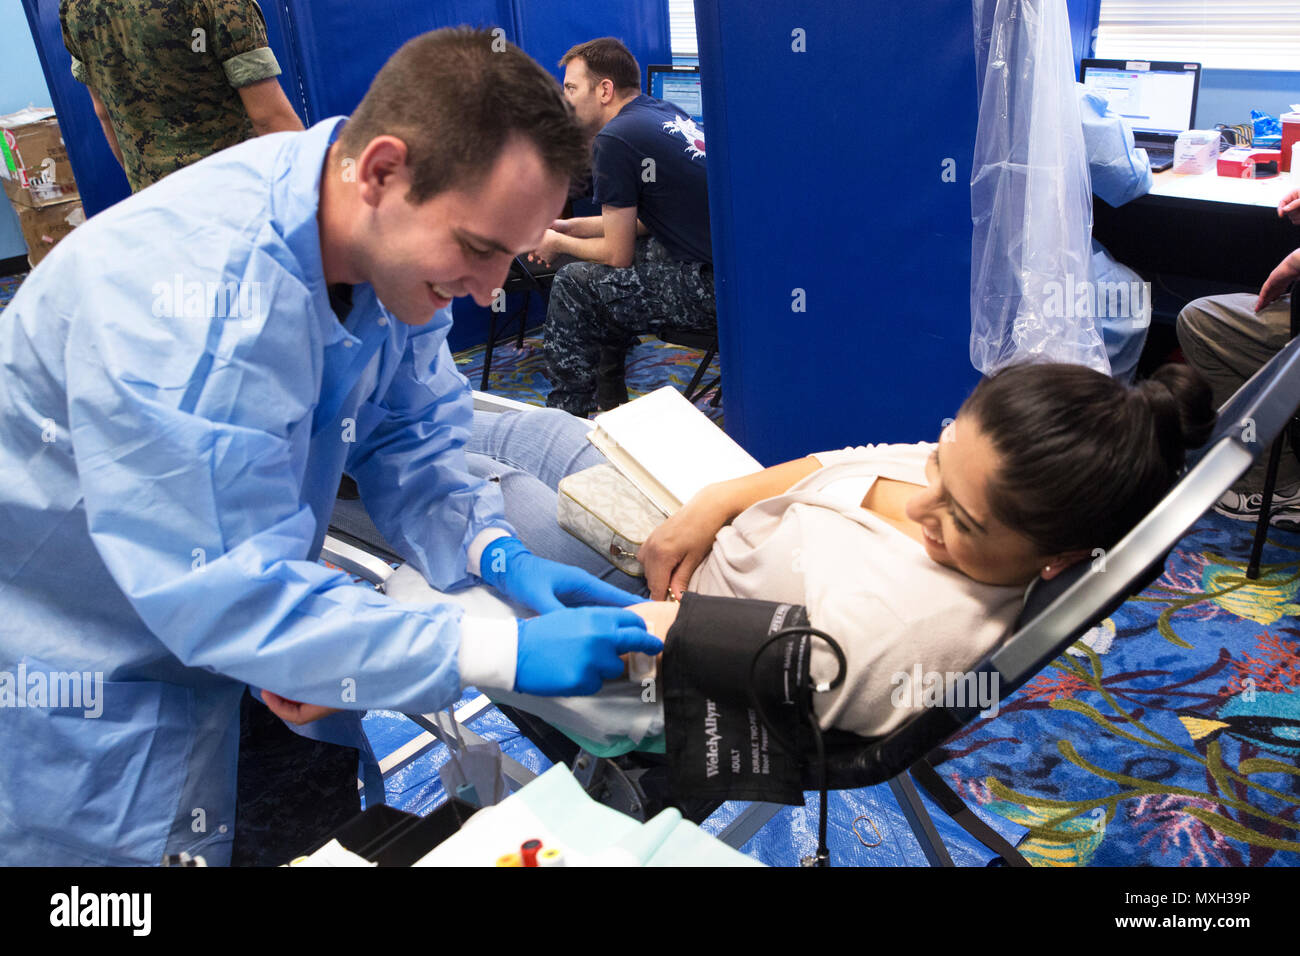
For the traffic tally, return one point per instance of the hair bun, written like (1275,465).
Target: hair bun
(1182,403)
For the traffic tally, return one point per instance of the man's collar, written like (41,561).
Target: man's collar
(295,192)
(295,201)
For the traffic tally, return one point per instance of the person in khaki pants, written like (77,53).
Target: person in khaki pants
(1227,338)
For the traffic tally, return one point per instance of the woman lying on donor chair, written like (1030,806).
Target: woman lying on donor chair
(907,555)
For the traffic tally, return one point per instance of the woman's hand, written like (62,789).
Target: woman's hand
(677,547)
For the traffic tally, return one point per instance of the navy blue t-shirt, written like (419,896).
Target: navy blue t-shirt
(671,194)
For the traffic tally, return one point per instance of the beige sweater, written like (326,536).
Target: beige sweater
(864,582)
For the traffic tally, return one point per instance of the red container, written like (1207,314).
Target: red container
(1290,136)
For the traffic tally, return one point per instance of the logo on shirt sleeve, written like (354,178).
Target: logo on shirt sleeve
(685,127)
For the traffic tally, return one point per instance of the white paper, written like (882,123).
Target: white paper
(676,442)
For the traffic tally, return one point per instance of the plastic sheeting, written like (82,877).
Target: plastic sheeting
(1031,199)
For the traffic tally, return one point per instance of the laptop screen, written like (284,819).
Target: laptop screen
(1155,97)
(679,85)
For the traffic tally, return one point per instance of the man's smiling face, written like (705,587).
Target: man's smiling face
(460,241)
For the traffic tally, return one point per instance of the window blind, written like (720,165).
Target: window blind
(681,28)
(1218,34)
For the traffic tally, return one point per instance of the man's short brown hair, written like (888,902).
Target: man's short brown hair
(607,59)
(454,97)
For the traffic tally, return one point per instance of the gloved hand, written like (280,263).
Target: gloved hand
(572,650)
(544,585)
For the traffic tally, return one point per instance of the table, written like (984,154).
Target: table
(1213,228)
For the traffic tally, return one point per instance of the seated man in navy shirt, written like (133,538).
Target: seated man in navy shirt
(648,176)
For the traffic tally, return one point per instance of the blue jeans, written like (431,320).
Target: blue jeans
(528,453)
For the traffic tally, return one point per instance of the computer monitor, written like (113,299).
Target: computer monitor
(1157,98)
(679,85)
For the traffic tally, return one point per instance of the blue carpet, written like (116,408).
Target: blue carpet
(1171,735)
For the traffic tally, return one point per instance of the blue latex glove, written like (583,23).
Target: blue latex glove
(573,650)
(544,585)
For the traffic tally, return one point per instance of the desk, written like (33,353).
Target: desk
(1207,227)
(1222,189)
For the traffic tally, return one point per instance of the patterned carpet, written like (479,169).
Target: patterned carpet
(1173,737)
(8,287)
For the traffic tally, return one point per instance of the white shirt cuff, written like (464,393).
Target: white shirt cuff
(479,545)
(489,651)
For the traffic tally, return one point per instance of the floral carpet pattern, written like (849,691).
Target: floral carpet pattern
(1170,735)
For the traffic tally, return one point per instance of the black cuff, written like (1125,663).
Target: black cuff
(717,745)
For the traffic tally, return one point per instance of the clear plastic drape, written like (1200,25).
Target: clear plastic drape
(1031,201)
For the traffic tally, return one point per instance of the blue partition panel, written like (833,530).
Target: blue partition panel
(99,177)
(839,149)
(548,28)
(545,30)
(340,45)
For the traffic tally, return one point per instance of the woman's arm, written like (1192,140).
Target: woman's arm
(659,617)
(675,549)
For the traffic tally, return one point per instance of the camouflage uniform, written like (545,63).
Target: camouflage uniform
(168,72)
(596,311)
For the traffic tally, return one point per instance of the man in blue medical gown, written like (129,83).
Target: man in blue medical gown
(183,381)
(1120,172)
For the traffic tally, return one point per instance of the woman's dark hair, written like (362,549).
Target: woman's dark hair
(1085,457)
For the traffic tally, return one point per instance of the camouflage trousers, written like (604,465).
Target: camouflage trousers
(596,312)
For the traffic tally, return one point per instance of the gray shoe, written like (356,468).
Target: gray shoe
(1285,510)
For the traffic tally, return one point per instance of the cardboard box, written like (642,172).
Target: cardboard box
(1196,152)
(34,164)
(44,226)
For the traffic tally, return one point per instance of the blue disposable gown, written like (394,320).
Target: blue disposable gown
(1120,172)
(169,458)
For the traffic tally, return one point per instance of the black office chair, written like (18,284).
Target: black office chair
(1292,431)
(526,277)
(1058,612)
(706,342)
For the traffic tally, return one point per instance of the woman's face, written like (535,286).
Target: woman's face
(959,529)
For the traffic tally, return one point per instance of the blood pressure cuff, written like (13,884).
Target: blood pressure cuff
(717,745)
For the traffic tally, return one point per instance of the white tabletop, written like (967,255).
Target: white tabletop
(1212,188)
